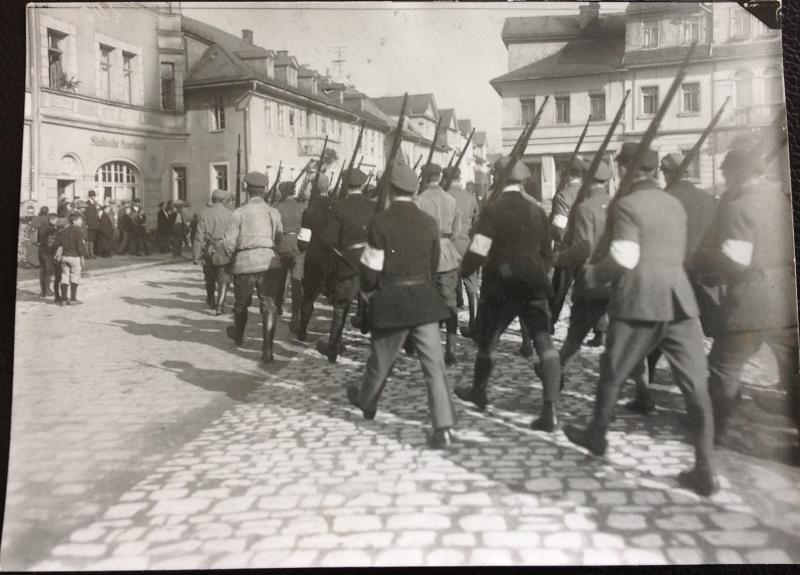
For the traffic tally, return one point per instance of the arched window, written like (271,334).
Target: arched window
(117,180)
(744,88)
(773,86)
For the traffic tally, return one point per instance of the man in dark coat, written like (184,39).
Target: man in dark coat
(163,228)
(512,243)
(104,244)
(207,245)
(345,236)
(652,305)
(289,253)
(138,230)
(45,238)
(125,227)
(398,266)
(92,220)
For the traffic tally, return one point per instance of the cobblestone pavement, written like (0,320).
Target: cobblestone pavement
(142,440)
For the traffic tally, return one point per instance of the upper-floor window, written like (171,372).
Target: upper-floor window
(55,57)
(220,175)
(744,88)
(217,114)
(690,101)
(291,123)
(323,125)
(179,183)
(280,120)
(597,106)
(649,100)
(562,109)
(127,76)
(268,116)
(650,34)
(773,86)
(740,24)
(528,110)
(105,71)
(168,86)
(691,30)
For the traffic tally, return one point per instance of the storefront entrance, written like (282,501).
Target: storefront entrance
(117,181)
(66,187)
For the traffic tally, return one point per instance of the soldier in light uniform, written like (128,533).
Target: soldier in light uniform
(438,204)
(289,252)
(213,222)
(399,266)
(512,238)
(345,236)
(250,239)
(652,305)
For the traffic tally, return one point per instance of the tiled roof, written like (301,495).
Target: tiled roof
(417,104)
(541,27)
(304,72)
(673,54)
(596,51)
(465,126)
(217,36)
(479,139)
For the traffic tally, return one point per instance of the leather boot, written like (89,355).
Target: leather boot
(449,346)
(236,331)
(548,419)
(477,392)
(223,291)
(297,300)
(73,294)
(64,299)
(337,328)
(305,317)
(269,323)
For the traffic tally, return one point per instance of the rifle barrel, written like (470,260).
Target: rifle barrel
(422,181)
(383,183)
(448,178)
(562,183)
(692,154)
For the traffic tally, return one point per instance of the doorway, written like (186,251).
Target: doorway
(66,187)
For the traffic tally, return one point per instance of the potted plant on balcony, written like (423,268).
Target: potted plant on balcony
(69,83)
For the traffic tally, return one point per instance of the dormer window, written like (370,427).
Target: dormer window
(650,34)
(740,24)
(691,30)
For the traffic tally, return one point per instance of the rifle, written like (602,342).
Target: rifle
(417,163)
(360,160)
(631,171)
(562,183)
(345,185)
(690,156)
(448,178)
(319,166)
(422,181)
(338,181)
(453,157)
(273,190)
(383,183)
(369,178)
(238,170)
(516,153)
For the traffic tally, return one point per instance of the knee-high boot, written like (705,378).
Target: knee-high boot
(476,393)
(223,291)
(551,383)
(306,309)
(236,331)
(297,302)
(332,347)
(269,319)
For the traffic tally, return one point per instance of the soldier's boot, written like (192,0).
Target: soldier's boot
(223,291)
(64,299)
(236,331)
(269,319)
(333,346)
(305,317)
(642,403)
(297,300)
(550,366)
(210,296)
(723,408)
(450,342)
(476,393)
(526,349)
(73,294)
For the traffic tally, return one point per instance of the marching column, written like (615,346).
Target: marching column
(213,222)
(289,252)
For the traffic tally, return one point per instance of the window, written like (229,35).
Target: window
(528,110)
(55,56)
(562,109)
(167,86)
(649,100)
(291,122)
(105,71)
(650,34)
(744,88)
(773,86)
(691,30)
(179,183)
(740,24)
(268,116)
(690,102)
(693,170)
(127,76)
(597,106)
(280,119)
(324,125)
(309,123)
(220,172)
(217,114)
(118,179)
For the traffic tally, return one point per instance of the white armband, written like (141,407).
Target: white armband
(738,251)
(304,235)
(560,221)
(480,245)
(625,253)
(372,258)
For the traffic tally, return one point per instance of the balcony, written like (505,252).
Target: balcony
(312,145)
(755,115)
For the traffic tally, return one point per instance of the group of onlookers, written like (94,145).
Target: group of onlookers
(172,229)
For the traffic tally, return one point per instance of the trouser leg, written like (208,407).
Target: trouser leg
(583,315)
(43,283)
(243,296)
(281,286)
(494,316)
(562,280)
(384,347)
(784,345)
(209,276)
(267,287)
(652,362)
(429,351)
(221,279)
(313,280)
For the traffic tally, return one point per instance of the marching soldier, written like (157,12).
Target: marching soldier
(345,235)
(652,305)
(317,263)
(399,265)
(438,204)
(250,238)
(208,244)
(748,251)
(289,253)
(467,208)
(512,238)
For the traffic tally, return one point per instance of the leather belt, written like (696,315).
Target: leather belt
(406,281)
(256,248)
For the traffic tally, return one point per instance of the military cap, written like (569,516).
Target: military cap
(519,173)
(452,172)
(628,151)
(286,188)
(671,162)
(355,178)
(92,193)
(256,180)
(602,173)
(576,165)
(220,195)
(404,178)
(432,171)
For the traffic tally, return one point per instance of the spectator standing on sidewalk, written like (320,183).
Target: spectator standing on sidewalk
(92,219)
(163,231)
(46,239)
(124,225)
(138,231)
(71,253)
(178,231)
(104,244)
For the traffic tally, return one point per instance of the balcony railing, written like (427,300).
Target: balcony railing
(312,145)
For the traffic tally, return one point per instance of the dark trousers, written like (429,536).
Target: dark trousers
(215,277)
(164,243)
(46,270)
(314,280)
(291,267)
(729,354)
(345,290)
(124,240)
(584,315)
(139,244)
(628,343)
(385,345)
(562,280)
(178,235)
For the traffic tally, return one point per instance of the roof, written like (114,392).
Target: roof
(648,8)
(598,49)
(446,115)
(464,126)
(216,36)
(304,72)
(540,27)
(417,104)
(479,139)
(284,59)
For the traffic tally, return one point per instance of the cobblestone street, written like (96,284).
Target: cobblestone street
(142,439)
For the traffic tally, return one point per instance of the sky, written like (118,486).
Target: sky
(448,49)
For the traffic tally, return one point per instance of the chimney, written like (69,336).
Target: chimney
(588,13)
(247,36)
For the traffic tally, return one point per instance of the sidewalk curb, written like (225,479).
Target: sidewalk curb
(113,270)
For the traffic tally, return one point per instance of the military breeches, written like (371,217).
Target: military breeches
(291,267)
(385,345)
(215,277)
(266,285)
(584,315)
(314,279)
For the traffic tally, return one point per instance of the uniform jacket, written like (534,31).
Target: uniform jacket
(467,207)
(754,222)
(562,204)
(213,223)
(590,222)
(313,222)
(653,224)
(292,218)
(90,216)
(701,208)
(346,230)
(438,204)
(400,262)
(513,240)
(251,236)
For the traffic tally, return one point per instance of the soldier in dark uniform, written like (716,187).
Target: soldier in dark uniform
(512,238)
(749,251)
(213,223)
(345,236)
(289,252)
(250,239)
(317,262)
(399,265)
(652,305)
(559,216)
